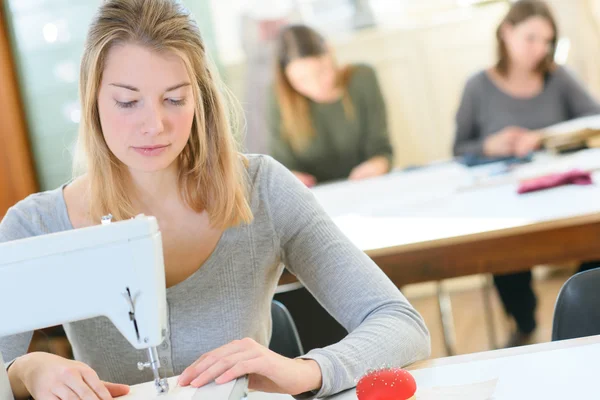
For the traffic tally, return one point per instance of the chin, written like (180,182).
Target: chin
(149,166)
(320,98)
(532,65)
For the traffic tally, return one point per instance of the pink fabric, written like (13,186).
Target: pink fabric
(575,177)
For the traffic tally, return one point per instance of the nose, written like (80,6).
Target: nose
(153,121)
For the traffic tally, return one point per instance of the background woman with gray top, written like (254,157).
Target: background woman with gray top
(502,108)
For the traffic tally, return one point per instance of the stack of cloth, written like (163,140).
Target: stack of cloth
(576,140)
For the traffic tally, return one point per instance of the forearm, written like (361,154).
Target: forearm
(474,146)
(395,335)
(385,160)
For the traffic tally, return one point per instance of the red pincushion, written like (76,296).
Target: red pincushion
(386,384)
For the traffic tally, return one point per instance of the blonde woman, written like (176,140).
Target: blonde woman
(156,139)
(327,123)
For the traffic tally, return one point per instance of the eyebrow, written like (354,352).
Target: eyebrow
(134,89)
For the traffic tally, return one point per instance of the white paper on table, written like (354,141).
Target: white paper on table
(212,391)
(474,391)
(589,122)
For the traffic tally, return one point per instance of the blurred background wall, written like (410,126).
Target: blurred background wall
(47,39)
(423,52)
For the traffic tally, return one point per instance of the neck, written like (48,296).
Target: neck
(151,192)
(517,74)
(333,96)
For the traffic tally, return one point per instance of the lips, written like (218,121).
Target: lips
(151,150)
(151,147)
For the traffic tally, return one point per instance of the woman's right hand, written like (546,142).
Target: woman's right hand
(45,376)
(503,143)
(305,178)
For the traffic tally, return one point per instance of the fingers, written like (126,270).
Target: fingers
(220,367)
(308,183)
(309,180)
(209,359)
(64,393)
(91,379)
(359,172)
(116,389)
(516,131)
(75,382)
(501,149)
(251,366)
(267,370)
(306,179)
(219,361)
(528,144)
(523,149)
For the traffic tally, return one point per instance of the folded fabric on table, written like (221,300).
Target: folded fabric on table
(475,160)
(575,177)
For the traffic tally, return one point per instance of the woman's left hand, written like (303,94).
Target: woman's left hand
(267,370)
(528,142)
(375,166)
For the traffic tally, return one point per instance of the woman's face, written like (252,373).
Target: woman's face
(313,77)
(146,107)
(528,42)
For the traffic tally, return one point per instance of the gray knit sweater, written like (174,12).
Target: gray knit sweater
(229,297)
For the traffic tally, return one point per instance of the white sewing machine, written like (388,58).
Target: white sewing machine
(114,270)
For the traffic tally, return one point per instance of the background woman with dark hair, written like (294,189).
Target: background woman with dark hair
(327,122)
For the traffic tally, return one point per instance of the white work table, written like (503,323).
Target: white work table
(557,370)
(446,220)
(448,201)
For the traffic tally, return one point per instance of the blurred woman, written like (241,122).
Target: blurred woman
(327,122)
(503,106)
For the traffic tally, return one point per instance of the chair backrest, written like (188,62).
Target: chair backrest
(577,310)
(284,339)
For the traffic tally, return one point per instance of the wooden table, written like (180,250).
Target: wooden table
(434,224)
(557,370)
(447,221)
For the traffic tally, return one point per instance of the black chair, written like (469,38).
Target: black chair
(577,310)
(284,338)
(316,327)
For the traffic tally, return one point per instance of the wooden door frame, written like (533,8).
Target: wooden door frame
(17,172)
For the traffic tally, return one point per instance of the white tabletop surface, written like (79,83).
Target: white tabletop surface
(442,202)
(554,373)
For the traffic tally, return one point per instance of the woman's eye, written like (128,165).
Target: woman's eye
(127,104)
(176,102)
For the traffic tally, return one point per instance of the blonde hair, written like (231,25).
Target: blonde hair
(212,174)
(299,41)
